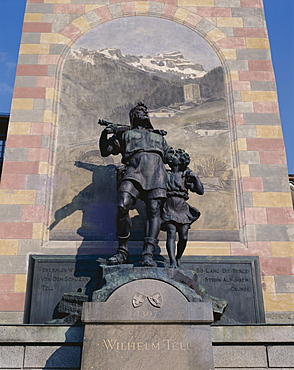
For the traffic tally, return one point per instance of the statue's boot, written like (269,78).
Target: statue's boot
(149,247)
(122,254)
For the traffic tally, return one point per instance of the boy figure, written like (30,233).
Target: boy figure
(144,152)
(177,214)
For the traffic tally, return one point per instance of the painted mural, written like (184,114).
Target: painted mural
(179,77)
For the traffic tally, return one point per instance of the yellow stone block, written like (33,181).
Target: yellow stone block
(141,6)
(229,53)
(20,283)
(241,144)
(209,3)
(82,24)
(265,131)
(216,35)
(19,128)
(181,14)
(8,247)
(33,17)
(272,199)
(89,8)
(34,49)
(208,249)
(269,283)
(244,170)
(50,116)
(282,249)
(257,43)
(54,38)
(44,168)
(22,104)
(266,96)
(38,231)
(17,196)
(229,22)
(278,302)
(232,76)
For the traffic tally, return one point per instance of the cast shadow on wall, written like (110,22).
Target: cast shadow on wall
(97,202)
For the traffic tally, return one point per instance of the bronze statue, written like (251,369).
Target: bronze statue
(144,152)
(177,214)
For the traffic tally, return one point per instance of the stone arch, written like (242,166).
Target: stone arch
(203,27)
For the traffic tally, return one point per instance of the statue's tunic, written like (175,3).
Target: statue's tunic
(144,152)
(176,209)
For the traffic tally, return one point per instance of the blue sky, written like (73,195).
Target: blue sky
(280,22)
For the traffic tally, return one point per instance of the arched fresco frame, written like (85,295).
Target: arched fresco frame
(191,21)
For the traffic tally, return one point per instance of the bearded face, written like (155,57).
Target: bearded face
(139,117)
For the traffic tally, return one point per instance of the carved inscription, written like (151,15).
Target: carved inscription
(231,279)
(56,275)
(165,344)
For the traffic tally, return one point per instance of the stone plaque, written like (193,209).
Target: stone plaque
(235,279)
(147,324)
(51,276)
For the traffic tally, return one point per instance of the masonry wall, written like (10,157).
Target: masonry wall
(236,30)
(235,347)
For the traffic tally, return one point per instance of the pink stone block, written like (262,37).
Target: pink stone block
(29,92)
(12,301)
(12,181)
(169,11)
(252,184)
(280,216)
(46,81)
(31,70)
(39,154)
(104,13)
(256,76)
(20,167)
(71,31)
(33,213)
(69,8)
(49,59)
(250,32)
(261,249)
(16,230)
(255,216)
(266,107)
(214,12)
(241,85)
(239,118)
(232,43)
(37,128)
(265,144)
(275,265)
(251,4)
(273,157)
(128,8)
(7,282)
(35,1)
(23,141)
(192,20)
(260,65)
(37,27)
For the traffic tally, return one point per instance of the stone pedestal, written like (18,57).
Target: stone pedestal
(147,324)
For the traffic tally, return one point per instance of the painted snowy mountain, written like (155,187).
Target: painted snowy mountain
(163,63)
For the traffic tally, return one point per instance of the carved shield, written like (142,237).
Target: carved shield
(155,300)
(138,300)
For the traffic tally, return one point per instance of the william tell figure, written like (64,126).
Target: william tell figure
(144,152)
(177,214)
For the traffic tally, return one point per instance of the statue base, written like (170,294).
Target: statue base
(144,318)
